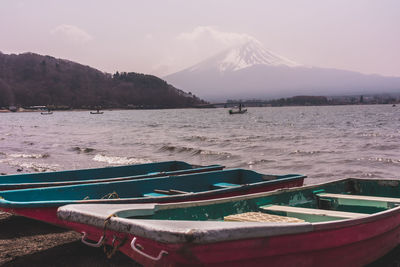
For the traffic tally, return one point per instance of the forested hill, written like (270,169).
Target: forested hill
(31,79)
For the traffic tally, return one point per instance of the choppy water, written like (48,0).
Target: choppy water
(324,143)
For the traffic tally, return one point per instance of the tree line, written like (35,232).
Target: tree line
(31,79)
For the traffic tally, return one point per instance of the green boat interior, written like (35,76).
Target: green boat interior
(338,200)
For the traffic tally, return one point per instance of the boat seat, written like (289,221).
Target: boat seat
(154,195)
(170,192)
(224,185)
(359,200)
(311,215)
(156,173)
(260,217)
(178,191)
(160,191)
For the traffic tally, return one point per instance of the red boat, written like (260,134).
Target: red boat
(349,222)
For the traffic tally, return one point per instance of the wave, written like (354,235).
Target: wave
(181,149)
(113,160)
(30,156)
(32,166)
(194,151)
(381,147)
(383,135)
(79,150)
(381,160)
(29,143)
(261,161)
(153,125)
(195,138)
(39,167)
(313,152)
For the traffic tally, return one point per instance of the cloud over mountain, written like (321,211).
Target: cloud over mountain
(72,33)
(209,33)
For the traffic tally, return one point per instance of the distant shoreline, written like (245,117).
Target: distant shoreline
(219,105)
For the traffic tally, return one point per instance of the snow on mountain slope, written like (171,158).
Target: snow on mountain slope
(243,56)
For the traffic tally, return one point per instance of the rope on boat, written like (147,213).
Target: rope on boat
(110,252)
(112,195)
(115,248)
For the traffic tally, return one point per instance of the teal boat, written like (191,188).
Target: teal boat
(119,173)
(350,222)
(42,203)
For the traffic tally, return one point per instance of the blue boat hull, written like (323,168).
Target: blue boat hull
(84,176)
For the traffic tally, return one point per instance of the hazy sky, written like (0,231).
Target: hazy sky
(161,37)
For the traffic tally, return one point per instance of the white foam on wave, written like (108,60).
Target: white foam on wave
(39,167)
(119,160)
(30,156)
(32,166)
(381,160)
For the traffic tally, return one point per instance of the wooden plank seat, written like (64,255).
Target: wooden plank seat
(360,200)
(178,191)
(260,217)
(311,215)
(163,193)
(224,185)
(170,191)
(153,194)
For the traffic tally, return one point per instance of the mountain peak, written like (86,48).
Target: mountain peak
(252,53)
(243,56)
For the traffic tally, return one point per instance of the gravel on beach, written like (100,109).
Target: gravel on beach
(25,242)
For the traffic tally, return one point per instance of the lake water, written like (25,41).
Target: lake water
(325,143)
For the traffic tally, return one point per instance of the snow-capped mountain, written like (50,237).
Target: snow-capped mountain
(250,71)
(243,56)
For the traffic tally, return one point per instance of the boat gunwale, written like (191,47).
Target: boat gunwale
(96,169)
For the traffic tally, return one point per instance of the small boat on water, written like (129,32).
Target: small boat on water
(42,203)
(46,113)
(350,222)
(86,176)
(96,112)
(238,110)
(241,111)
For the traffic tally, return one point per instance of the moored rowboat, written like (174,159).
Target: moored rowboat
(42,203)
(84,176)
(239,111)
(349,222)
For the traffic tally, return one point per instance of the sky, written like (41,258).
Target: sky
(165,36)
